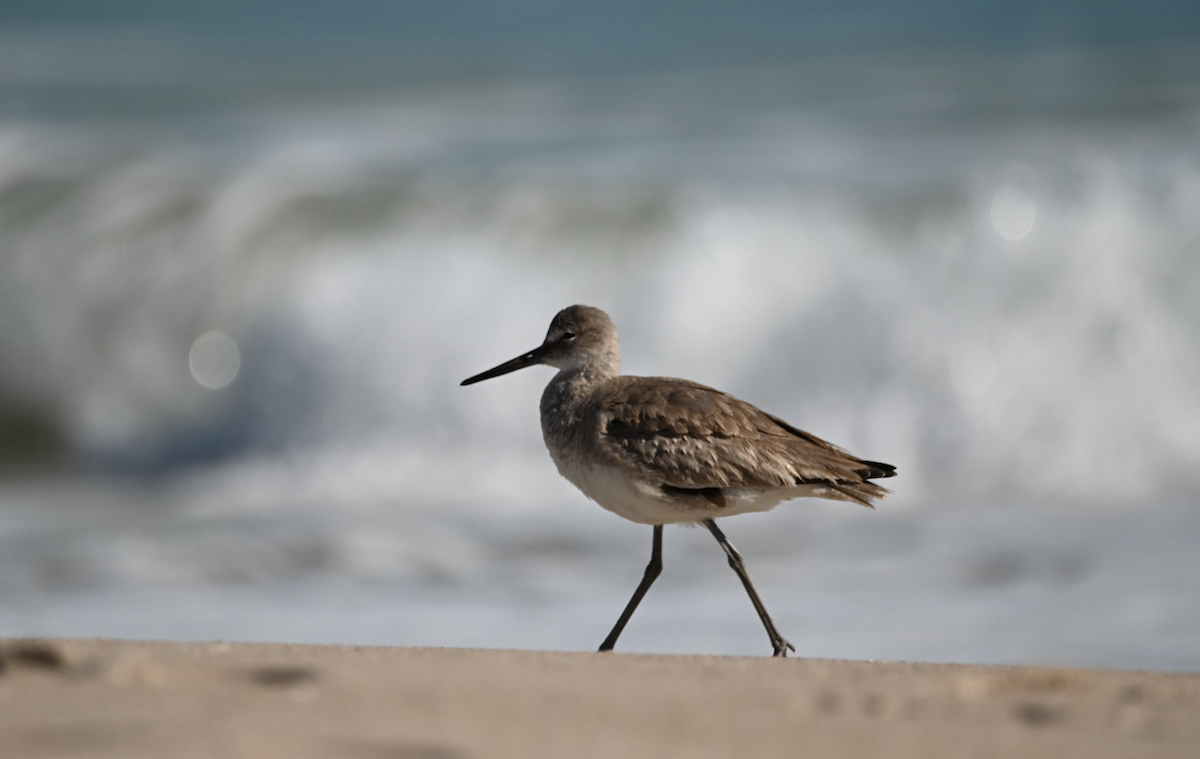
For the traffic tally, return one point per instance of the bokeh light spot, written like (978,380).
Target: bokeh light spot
(1013,213)
(214,360)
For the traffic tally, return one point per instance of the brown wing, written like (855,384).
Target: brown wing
(689,436)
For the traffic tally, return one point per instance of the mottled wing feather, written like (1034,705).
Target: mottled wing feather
(689,436)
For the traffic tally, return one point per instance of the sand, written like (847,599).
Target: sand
(106,698)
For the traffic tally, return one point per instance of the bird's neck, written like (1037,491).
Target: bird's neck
(565,398)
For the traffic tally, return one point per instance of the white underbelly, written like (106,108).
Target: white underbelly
(646,503)
(636,500)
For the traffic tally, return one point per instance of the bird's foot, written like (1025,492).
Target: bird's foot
(782,646)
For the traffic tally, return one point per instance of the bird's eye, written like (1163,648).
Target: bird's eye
(569,336)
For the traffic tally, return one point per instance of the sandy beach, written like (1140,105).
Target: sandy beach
(104,698)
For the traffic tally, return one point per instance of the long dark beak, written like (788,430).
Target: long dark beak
(520,362)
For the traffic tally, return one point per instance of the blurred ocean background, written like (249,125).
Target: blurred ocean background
(248,250)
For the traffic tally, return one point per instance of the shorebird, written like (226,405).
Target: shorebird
(658,450)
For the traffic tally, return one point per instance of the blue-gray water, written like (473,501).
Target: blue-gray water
(242,273)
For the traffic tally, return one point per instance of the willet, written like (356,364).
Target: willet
(658,450)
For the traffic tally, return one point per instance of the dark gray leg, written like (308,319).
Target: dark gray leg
(735,560)
(653,570)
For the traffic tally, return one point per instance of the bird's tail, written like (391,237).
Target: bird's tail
(875,470)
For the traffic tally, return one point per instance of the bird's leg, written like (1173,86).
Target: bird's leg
(735,560)
(653,570)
